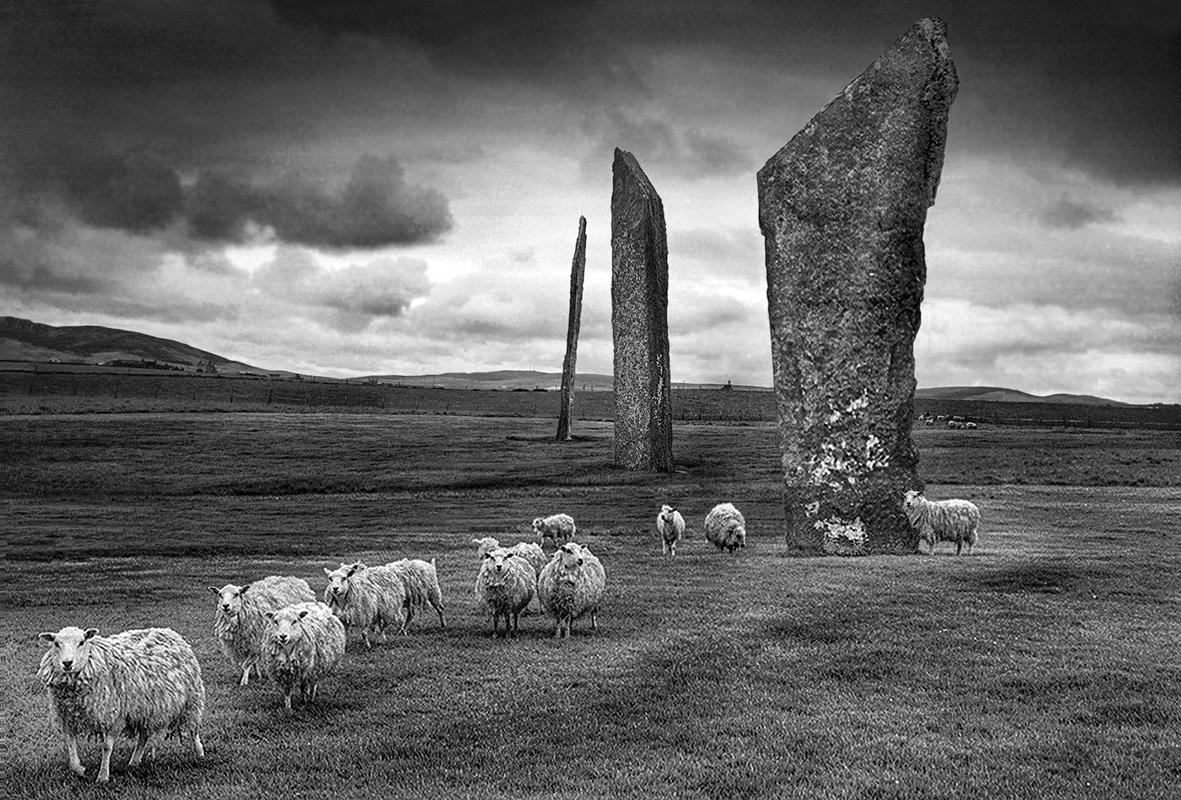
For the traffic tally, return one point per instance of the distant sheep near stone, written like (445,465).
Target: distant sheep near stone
(671,527)
(943,521)
(554,529)
(725,527)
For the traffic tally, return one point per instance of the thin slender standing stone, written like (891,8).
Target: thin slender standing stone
(842,208)
(577,273)
(639,320)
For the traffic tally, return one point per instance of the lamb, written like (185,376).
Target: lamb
(504,586)
(671,526)
(553,528)
(530,551)
(370,598)
(571,585)
(421,579)
(240,623)
(725,527)
(305,643)
(141,683)
(943,521)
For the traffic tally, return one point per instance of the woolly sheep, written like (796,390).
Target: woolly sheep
(725,527)
(553,528)
(240,623)
(504,586)
(671,526)
(140,683)
(571,585)
(370,598)
(943,521)
(530,551)
(305,643)
(421,579)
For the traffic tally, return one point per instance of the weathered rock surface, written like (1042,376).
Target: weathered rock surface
(639,320)
(577,274)
(842,208)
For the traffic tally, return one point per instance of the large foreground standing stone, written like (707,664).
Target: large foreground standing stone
(842,208)
(639,320)
(577,275)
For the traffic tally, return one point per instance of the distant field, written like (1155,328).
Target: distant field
(171,392)
(1042,666)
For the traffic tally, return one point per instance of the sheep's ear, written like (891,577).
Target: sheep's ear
(303,614)
(90,632)
(271,616)
(242,591)
(327,571)
(46,637)
(215,590)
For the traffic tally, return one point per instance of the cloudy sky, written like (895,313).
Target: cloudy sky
(367,187)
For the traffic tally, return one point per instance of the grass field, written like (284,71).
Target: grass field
(1045,665)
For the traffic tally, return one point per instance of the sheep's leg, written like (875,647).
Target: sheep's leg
(104,768)
(72,754)
(287,700)
(672,549)
(246,673)
(959,546)
(197,748)
(137,753)
(442,618)
(594,622)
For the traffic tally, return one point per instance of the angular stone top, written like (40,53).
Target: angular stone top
(627,168)
(907,90)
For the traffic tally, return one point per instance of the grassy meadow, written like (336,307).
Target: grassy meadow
(1044,665)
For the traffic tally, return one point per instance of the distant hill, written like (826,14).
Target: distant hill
(997,394)
(24,340)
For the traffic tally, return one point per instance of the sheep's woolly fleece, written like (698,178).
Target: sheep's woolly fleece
(305,644)
(725,527)
(240,623)
(370,598)
(572,585)
(504,586)
(943,520)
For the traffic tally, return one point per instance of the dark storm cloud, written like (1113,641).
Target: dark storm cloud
(375,208)
(1069,214)
(690,154)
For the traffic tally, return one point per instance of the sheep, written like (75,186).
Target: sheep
(367,597)
(421,579)
(571,585)
(305,643)
(530,551)
(554,527)
(504,586)
(725,527)
(671,526)
(943,521)
(140,683)
(240,624)
(970,426)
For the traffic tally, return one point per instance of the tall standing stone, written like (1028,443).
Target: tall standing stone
(639,320)
(577,273)
(842,208)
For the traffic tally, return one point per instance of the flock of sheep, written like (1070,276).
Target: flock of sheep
(147,684)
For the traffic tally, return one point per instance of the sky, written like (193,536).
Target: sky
(370,188)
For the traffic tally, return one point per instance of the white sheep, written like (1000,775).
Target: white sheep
(571,585)
(240,623)
(140,683)
(371,598)
(530,551)
(555,528)
(943,521)
(671,526)
(305,643)
(504,586)
(421,579)
(725,527)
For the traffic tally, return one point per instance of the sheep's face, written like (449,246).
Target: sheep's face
(71,649)
(288,624)
(571,555)
(229,599)
(338,579)
(495,563)
(911,500)
(667,512)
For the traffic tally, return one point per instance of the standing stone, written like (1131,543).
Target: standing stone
(842,208)
(577,273)
(639,321)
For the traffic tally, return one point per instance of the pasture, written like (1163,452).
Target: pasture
(1042,666)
